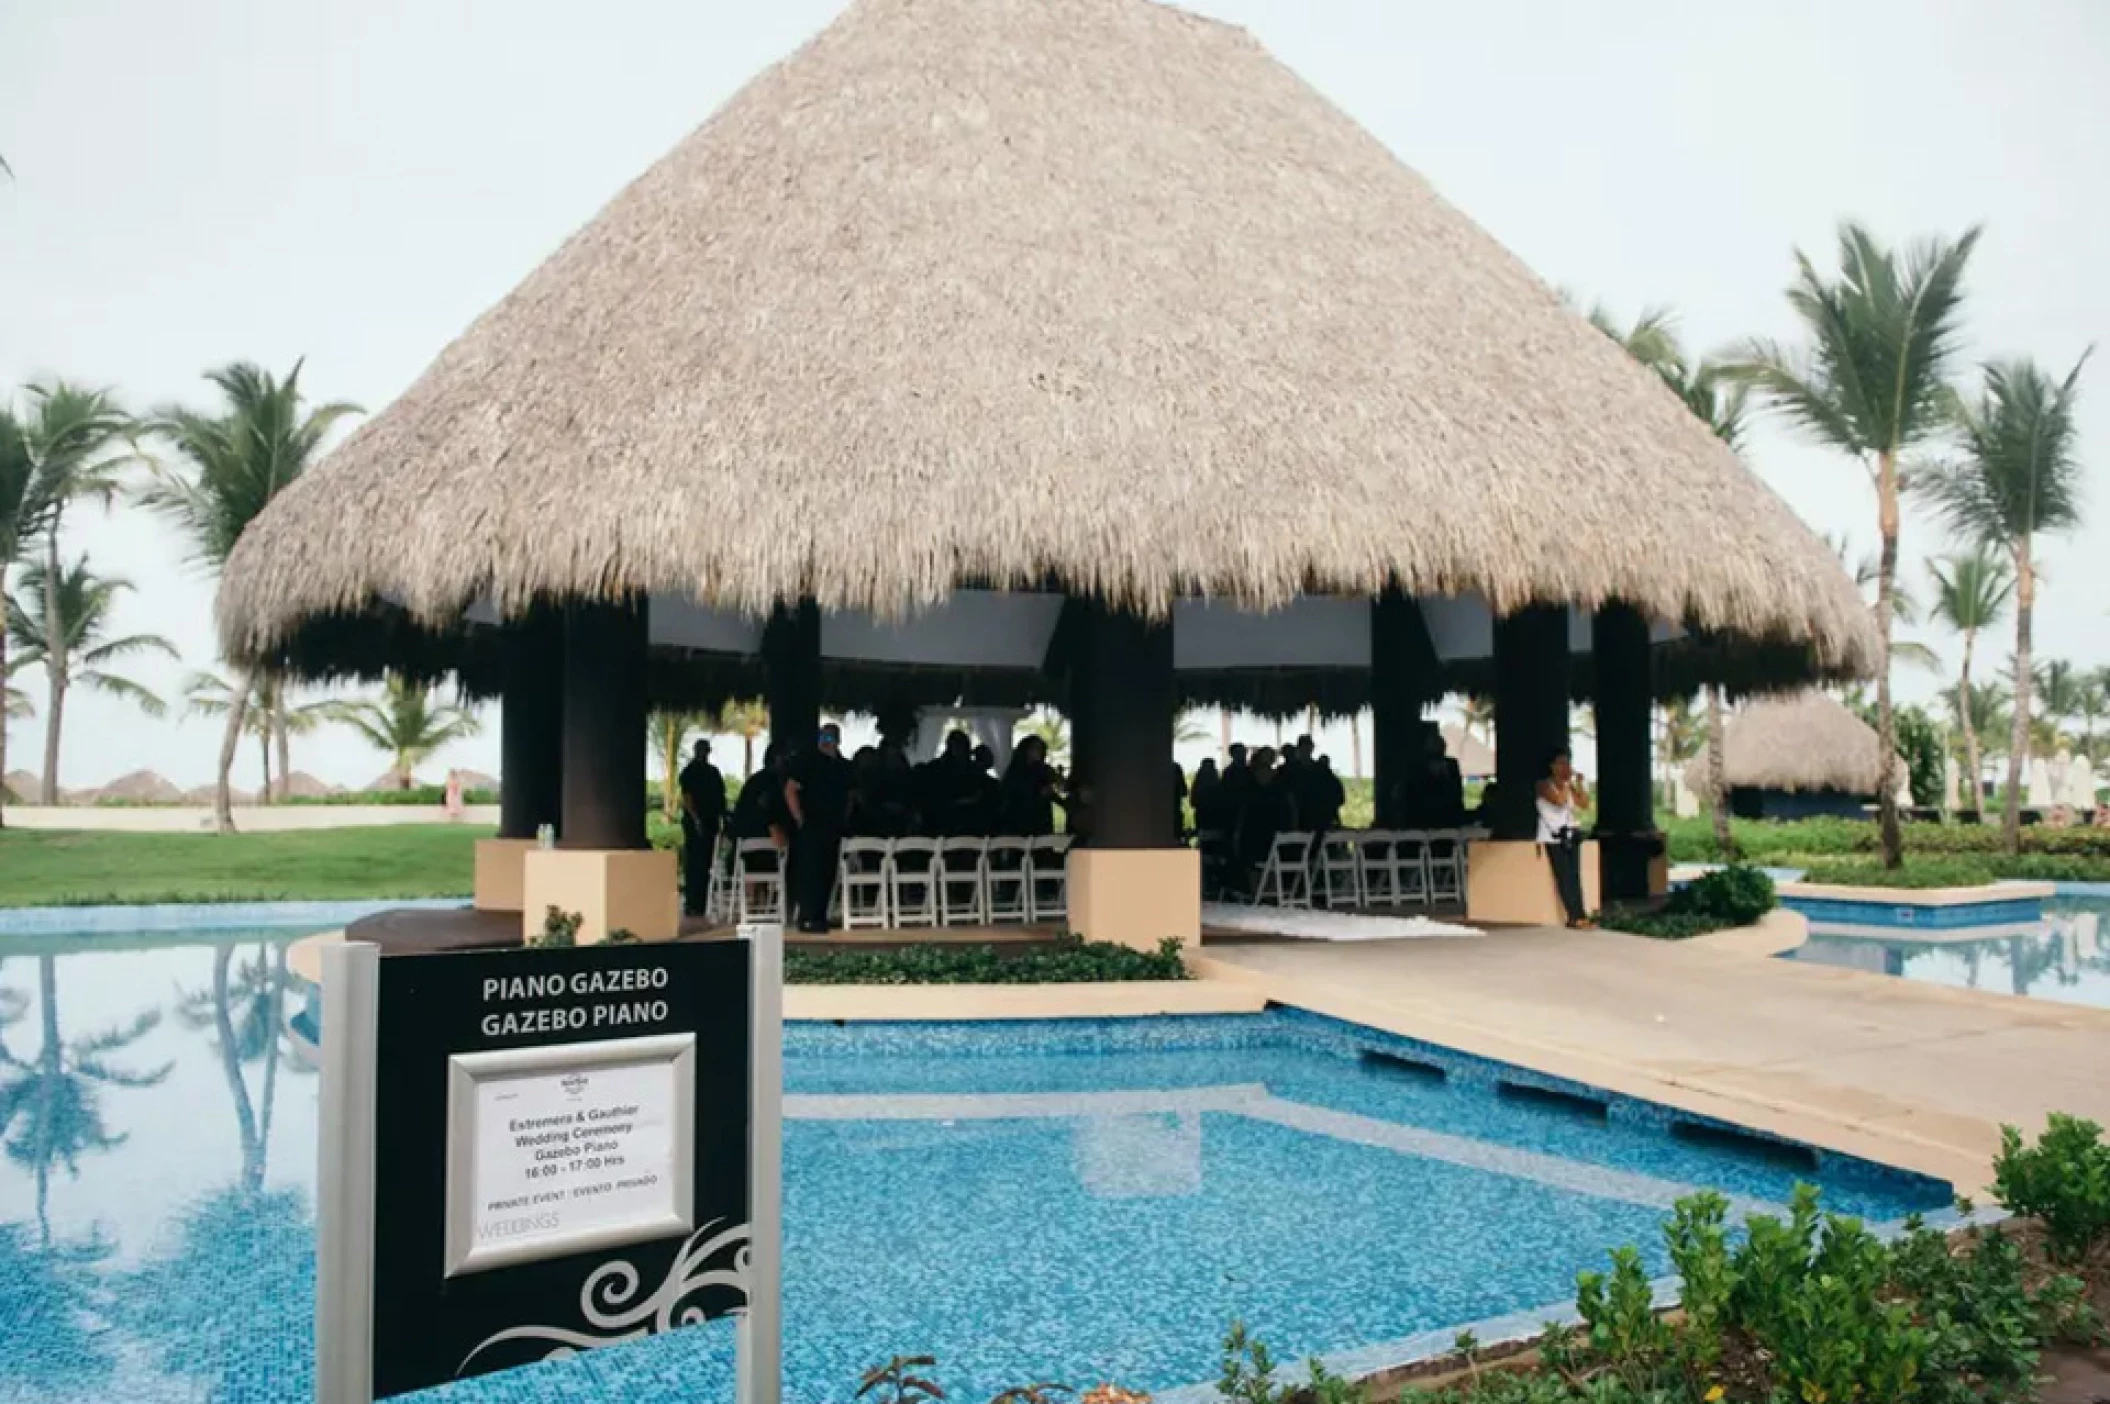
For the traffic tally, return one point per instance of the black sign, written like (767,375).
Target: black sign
(559,1147)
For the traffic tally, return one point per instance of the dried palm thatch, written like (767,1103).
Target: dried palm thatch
(1012,291)
(1809,741)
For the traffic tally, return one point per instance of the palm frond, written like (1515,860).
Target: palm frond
(125,689)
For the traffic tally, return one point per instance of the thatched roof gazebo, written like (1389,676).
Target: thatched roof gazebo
(1787,757)
(1033,341)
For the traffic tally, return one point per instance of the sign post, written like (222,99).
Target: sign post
(527,1153)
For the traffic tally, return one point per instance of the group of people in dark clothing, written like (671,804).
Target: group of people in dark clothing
(1259,795)
(810,800)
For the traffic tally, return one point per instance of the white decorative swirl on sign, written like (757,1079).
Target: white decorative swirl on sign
(611,1313)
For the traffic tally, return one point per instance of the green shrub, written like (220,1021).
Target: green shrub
(1067,960)
(1661,925)
(1738,894)
(2063,1182)
(416,794)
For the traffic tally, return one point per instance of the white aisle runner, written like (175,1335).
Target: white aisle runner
(1323,926)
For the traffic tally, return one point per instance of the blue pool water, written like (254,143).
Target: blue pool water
(2065,957)
(1077,1201)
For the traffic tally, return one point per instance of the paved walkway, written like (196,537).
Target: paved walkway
(1905,1073)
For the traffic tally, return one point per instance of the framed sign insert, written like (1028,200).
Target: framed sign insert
(570,1148)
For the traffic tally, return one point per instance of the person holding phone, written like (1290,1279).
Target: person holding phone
(1562,798)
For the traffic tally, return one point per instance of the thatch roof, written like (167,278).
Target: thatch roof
(1090,292)
(137,787)
(207,794)
(478,780)
(301,785)
(1809,741)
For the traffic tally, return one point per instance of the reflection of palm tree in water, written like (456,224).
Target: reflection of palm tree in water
(50,1109)
(245,1009)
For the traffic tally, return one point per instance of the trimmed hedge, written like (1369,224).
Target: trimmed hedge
(1958,870)
(1069,960)
(1736,895)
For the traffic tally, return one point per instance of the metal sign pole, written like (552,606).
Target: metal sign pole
(761,1329)
(344,1251)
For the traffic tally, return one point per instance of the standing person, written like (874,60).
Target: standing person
(1562,798)
(453,799)
(1203,794)
(758,813)
(702,816)
(986,813)
(1269,810)
(1237,787)
(817,797)
(1031,790)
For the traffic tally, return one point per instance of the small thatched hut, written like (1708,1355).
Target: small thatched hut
(984,348)
(137,787)
(20,787)
(1793,757)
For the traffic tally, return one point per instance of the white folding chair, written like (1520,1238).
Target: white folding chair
(759,868)
(1340,869)
(862,877)
(963,876)
(1410,868)
(1048,878)
(1006,878)
(1373,852)
(718,893)
(1446,867)
(912,888)
(1285,881)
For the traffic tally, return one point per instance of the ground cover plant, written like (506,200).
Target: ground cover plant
(1841,845)
(1068,959)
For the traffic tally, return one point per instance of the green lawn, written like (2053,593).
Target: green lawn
(40,867)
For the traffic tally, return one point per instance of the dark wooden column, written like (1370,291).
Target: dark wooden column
(1531,710)
(1125,703)
(605,706)
(1405,675)
(1625,695)
(791,657)
(531,723)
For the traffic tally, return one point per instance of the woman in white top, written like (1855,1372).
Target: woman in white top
(1562,797)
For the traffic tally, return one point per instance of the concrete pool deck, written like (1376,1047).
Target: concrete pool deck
(1909,1074)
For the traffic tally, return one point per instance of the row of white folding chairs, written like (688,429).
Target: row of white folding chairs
(1365,868)
(883,883)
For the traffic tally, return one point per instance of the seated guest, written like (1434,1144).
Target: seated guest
(1030,792)
(1437,798)
(949,791)
(759,812)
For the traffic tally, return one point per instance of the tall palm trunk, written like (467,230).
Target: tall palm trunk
(223,793)
(1717,790)
(275,1011)
(1223,736)
(1971,758)
(1886,718)
(263,751)
(2018,739)
(231,1069)
(55,661)
(284,741)
(50,1068)
(1355,744)
(669,774)
(3,717)
(747,754)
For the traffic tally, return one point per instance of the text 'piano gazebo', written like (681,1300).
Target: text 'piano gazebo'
(1050,348)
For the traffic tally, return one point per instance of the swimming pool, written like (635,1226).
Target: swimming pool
(2065,957)
(1073,1201)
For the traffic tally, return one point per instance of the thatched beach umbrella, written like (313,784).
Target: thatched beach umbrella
(1062,299)
(1809,744)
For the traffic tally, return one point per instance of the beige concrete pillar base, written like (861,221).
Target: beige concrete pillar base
(1136,897)
(499,864)
(1507,880)
(611,890)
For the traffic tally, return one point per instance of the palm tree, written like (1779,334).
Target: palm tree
(2019,475)
(56,454)
(1982,708)
(245,1009)
(238,460)
(2056,690)
(50,1107)
(1680,734)
(2094,706)
(1871,383)
(1476,717)
(746,720)
(406,723)
(1355,744)
(272,720)
(62,623)
(1970,591)
(1054,733)
(667,730)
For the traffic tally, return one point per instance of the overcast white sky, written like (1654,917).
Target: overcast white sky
(354,180)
